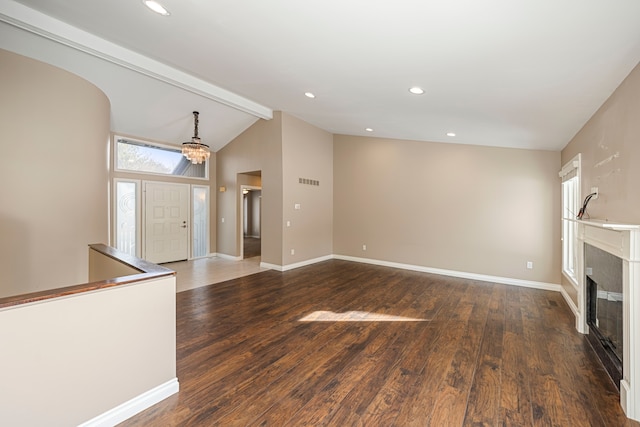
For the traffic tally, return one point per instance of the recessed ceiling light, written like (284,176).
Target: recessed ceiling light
(156,7)
(416,90)
(451,134)
(309,95)
(368,129)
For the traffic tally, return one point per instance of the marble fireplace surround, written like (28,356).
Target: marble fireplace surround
(623,241)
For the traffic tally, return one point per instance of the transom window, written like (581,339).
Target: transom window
(144,157)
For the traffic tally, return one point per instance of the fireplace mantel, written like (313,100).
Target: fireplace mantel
(623,241)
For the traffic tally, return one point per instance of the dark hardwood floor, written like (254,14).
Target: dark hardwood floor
(251,247)
(482,354)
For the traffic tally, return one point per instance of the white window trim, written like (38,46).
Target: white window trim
(572,167)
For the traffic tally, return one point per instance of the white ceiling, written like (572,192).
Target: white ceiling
(524,74)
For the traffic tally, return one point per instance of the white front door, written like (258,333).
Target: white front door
(166,222)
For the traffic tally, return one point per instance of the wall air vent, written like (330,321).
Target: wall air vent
(308,181)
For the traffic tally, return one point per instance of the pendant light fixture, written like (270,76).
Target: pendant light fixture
(194,150)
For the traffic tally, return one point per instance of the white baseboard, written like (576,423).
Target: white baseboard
(581,325)
(625,394)
(229,257)
(209,255)
(461,274)
(271,266)
(295,265)
(453,273)
(134,406)
(569,302)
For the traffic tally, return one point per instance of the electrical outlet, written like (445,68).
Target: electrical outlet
(594,190)
(222,219)
(288,223)
(297,206)
(293,251)
(364,247)
(530,265)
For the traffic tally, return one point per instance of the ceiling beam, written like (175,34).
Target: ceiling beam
(30,20)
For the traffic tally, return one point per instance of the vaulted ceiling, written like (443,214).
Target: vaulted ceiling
(524,74)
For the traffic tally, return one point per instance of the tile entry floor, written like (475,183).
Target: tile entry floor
(206,271)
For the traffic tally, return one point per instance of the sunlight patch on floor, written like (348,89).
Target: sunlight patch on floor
(356,316)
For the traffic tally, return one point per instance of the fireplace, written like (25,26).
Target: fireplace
(603,275)
(608,302)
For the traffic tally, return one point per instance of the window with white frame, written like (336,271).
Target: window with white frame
(570,175)
(200,223)
(127,215)
(150,158)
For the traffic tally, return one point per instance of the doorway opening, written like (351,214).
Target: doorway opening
(251,221)
(251,214)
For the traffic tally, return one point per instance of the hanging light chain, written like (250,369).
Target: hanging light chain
(195,119)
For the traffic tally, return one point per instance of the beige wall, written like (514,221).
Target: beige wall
(258,148)
(307,152)
(456,207)
(54,186)
(68,360)
(610,147)
(283,149)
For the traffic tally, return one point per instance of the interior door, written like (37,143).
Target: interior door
(166,222)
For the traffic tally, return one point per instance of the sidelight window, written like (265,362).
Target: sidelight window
(127,216)
(200,227)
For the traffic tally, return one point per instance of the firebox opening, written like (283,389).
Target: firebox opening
(604,309)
